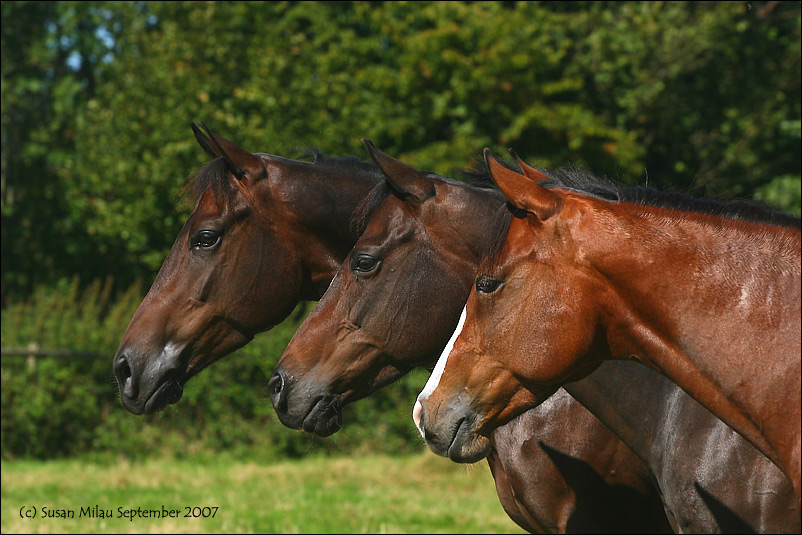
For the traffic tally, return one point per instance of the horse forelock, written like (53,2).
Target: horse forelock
(361,216)
(498,236)
(213,176)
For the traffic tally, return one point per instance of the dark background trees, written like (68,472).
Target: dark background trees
(98,96)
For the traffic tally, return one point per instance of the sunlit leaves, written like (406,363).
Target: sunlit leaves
(692,95)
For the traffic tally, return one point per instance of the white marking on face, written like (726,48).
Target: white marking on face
(434,378)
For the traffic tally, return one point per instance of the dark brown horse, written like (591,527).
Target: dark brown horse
(707,294)
(267,232)
(712,480)
(410,244)
(394,304)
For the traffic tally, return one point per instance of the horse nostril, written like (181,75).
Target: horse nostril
(122,369)
(277,392)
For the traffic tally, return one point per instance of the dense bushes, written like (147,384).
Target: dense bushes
(98,96)
(56,406)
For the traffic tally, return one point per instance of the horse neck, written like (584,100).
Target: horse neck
(634,402)
(464,216)
(322,206)
(456,222)
(713,304)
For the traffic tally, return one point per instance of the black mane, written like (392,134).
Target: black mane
(215,176)
(345,162)
(577,179)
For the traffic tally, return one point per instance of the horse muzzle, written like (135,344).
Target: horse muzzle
(451,432)
(148,387)
(299,407)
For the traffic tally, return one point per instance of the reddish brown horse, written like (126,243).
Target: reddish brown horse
(707,294)
(357,334)
(392,306)
(267,232)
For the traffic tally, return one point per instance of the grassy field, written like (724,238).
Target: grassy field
(370,494)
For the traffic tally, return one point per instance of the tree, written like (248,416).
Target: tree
(690,96)
(52,55)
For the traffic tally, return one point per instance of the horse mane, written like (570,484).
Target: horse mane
(746,210)
(346,163)
(215,176)
(579,180)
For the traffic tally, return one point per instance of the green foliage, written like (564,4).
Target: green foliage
(98,97)
(706,92)
(52,59)
(56,406)
(783,192)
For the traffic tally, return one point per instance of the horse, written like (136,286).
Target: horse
(662,426)
(267,232)
(707,293)
(350,340)
(711,479)
(365,329)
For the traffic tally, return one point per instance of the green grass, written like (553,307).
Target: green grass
(369,494)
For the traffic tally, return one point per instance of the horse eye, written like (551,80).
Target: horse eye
(485,284)
(206,239)
(363,263)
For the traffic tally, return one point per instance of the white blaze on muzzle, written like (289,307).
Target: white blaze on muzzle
(434,378)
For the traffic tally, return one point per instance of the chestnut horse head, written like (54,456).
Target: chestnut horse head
(265,233)
(707,293)
(395,300)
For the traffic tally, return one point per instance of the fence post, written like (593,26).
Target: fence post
(31,360)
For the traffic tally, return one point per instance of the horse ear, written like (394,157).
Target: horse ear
(203,141)
(242,163)
(522,191)
(404,179)
(527,170)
